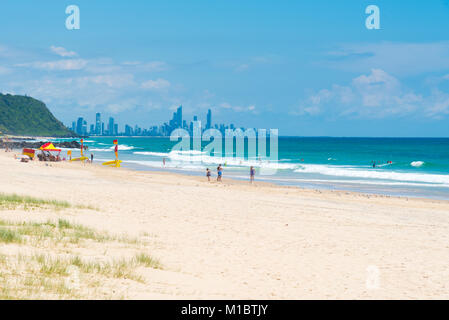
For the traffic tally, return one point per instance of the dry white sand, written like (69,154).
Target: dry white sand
(237,241)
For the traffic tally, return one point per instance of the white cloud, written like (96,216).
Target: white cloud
(252,63)
(110,80)
(7,52)
(59,65)
(242,67)
(394,57)
(4,70)
(374,95)
(63,52)
(125,105)
(376,88)
(439,105)
(131,63)
(159,84)
(228,106)
(153,66)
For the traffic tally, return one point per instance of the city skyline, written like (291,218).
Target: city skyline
(83,128)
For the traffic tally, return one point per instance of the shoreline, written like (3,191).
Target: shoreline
(402,180)
(236,181)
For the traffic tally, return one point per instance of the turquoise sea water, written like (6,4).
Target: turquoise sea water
(404,166)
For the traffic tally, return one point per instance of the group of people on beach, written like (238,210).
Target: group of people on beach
(252,173)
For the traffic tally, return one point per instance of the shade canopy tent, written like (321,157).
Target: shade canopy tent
(49,147)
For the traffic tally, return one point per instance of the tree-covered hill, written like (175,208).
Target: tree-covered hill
(22,115)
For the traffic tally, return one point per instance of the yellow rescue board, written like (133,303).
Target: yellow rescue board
(112,163)
(80,159)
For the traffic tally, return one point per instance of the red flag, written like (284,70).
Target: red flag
(115,141)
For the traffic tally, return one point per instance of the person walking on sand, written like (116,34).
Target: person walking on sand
(219,172)
(91,158)
(252,173)
(163,161)
(208,174)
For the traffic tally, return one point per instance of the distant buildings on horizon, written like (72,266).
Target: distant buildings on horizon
(100,128)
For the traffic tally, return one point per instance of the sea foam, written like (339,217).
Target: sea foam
(417,164)
(373,174)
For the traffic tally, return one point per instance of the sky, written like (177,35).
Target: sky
(307,68)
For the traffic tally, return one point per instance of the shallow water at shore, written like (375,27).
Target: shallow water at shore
(403,167)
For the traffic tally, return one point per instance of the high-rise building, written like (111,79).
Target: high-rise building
(79,126)
(115,129)
(102,128)
(209,119)
(98,123)
(111,126)
(84,129)
(179,117)
(128,130)
(74,126)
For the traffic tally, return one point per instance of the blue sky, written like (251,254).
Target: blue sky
(308,68)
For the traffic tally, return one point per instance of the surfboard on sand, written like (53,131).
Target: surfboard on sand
(112,163)
(80,159)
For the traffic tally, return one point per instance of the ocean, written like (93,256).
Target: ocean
(411,167)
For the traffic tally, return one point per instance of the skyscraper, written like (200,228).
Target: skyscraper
(84,128)
(111,126)
(79,126)
(98,123)
(179,117)
(128,130)
(209,119)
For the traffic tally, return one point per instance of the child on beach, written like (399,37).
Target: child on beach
(252,173)
(219,172)
(208,174)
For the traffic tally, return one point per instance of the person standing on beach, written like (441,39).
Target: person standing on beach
(252,173)
(208,174)
(219,172)
(91,158)
(163,161)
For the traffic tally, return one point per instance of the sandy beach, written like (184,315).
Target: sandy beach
(233,240)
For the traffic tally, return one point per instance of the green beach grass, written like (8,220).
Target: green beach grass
(14,201)
(53,253)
